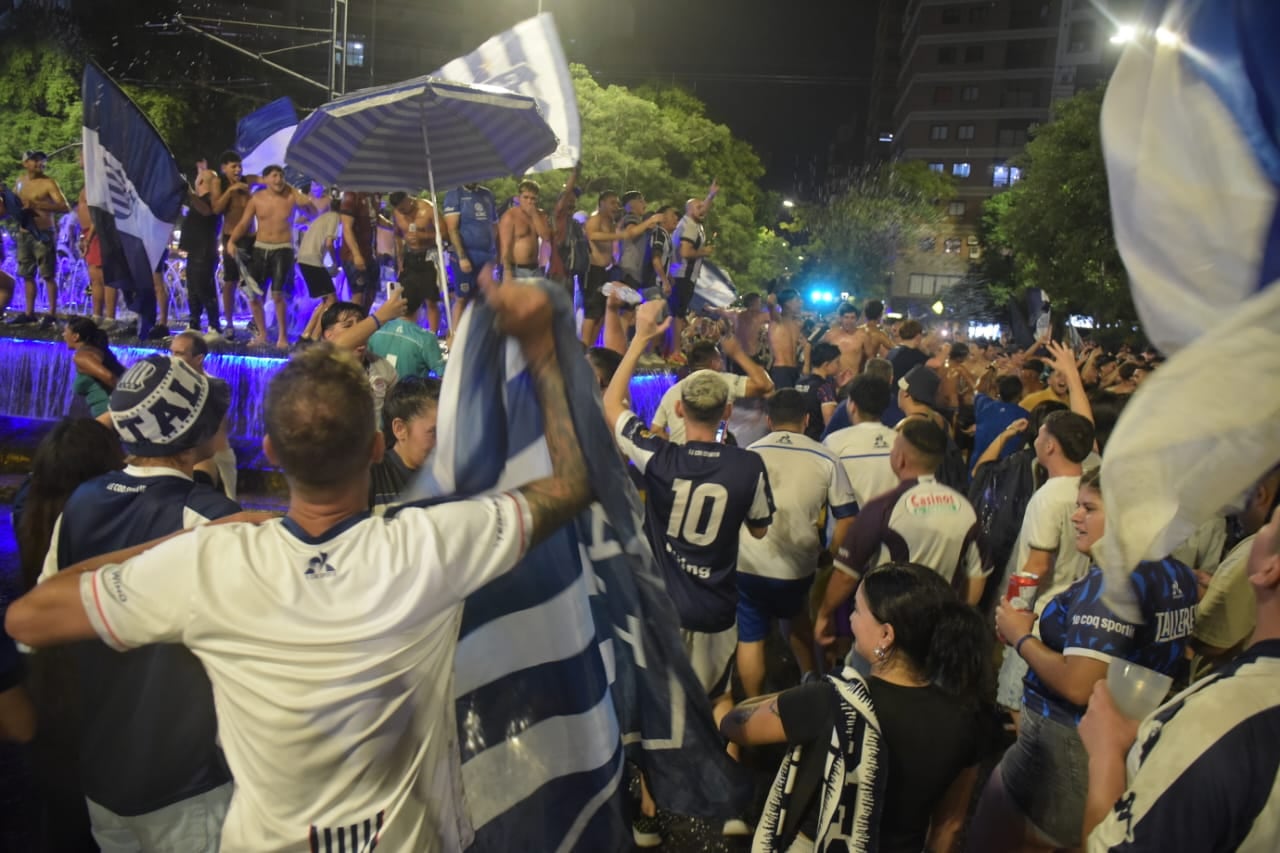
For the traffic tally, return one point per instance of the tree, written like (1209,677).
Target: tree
(1053,229)
(40,102)
(659,141)
(859,230)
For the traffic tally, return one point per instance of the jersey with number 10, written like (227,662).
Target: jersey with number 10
(698,496)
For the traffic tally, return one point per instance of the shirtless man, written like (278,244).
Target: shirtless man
(41,198)
(875,342)
(848,337)
(519,231)
(273,256)
(229,197)
(785,338)
(751,327)
(603,234)
(416,253)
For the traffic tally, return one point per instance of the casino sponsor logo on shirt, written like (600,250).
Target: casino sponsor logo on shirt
(925,504)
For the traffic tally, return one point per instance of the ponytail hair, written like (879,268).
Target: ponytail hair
(942,639)
(89,333)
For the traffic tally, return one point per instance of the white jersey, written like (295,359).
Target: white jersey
(666,418)
(331,660)
(1046,526)
(863,450)
(805,477)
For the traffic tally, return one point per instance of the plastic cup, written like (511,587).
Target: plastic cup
(1136,690)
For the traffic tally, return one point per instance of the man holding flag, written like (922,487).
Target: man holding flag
(134,191)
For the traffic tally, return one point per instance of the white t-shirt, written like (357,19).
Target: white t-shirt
(316,239)
(666,415)
(331,660)
(804,477)
(1046,526)
(863,450)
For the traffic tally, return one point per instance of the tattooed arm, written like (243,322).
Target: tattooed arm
(755,721)
(524,312)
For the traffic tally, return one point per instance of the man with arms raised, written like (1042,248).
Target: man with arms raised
(329,636)
(519,232)
(41,198)
(416,243)
(688,247)
(273,256)
(786,337)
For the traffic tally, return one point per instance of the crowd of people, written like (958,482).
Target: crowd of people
(914,517)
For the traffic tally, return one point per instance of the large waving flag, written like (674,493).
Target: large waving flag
(713,286)
(262,137)
(1192,144)
(132,183)
(572,661)
(529,59)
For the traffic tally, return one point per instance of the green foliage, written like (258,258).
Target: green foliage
(1053,229)
(859,231)
(40,103)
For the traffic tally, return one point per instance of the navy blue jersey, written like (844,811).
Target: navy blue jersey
(1077,622)
(475,209)
(148,733)
(697,497)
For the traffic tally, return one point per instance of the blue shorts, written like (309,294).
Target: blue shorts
(763,599)
(466,281)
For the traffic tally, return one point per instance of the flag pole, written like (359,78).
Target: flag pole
(442,281)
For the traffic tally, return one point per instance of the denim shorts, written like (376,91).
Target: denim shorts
(1046,775)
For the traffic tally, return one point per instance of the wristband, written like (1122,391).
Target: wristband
(377,324)
(1017,647)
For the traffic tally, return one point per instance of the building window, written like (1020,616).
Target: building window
(942,94)
(978,14)
(960,170)
(927,284)
(1028,53)
(927,244)
(974,53)
(1005,176)
(956,208)
(947,55)
(938,132)
(969,93)
(951,15)
(1023,95)
(974,253)
(936,167)
(952,245)
(1080,37)
(1012,137)
(964,131)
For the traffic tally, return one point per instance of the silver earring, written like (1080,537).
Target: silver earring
(879,653)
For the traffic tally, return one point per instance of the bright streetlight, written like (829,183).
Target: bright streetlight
(1167,38)
(1124,34)
(788,203)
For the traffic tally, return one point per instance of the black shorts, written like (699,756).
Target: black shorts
(681,296)
(274,268)
(784,376)
(359,281)
(419,278)
(319,282)
(200,270)
(231,266)
(593,300)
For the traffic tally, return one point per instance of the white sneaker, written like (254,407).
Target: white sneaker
(628,295)
(735,827)
(645,831)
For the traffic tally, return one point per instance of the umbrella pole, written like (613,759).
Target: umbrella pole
(442,280)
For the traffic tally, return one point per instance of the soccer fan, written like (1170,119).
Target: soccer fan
(472,225)
(776,572)
(348,327)
(328,635)
(819,387)
(920,521)
(152,702)
(704,355)
(864,448)
(409,430)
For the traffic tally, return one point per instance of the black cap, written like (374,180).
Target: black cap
(34,154)
(631,195)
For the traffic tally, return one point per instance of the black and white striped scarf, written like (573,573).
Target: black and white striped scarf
(852,794)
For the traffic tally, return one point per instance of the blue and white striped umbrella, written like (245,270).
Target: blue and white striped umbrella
(412,135)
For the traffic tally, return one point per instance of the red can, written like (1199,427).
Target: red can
(1022,591)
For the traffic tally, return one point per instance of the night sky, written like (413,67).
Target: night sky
(774,71)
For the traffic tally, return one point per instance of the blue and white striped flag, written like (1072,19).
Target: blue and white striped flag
(1193,161)
(134,188)
(529,59)
(713,286)
(572,661)
(262,137)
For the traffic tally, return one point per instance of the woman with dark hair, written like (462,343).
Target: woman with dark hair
(75,450)
(887,763)
(409,427)
(97,368)
(1035,800)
